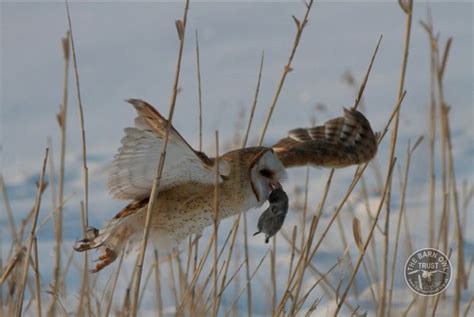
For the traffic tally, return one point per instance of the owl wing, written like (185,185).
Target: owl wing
(133,169)
(340,142)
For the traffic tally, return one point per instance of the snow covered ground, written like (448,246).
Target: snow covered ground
(129,50)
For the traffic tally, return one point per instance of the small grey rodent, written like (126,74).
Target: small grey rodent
(273,217)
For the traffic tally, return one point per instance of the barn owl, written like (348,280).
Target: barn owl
(185,204)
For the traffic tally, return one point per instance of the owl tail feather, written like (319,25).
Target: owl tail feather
(111,239)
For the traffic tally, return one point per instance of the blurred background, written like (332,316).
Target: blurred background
(129,50)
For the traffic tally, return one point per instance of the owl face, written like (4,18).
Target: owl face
(266,173)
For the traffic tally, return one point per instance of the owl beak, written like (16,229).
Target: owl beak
(274,184)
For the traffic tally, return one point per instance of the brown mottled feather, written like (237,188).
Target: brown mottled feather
(338,143)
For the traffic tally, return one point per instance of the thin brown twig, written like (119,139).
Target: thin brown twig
(254,105)
(198,66)
(26,258)
(62,121)
(366,77)
(408,9)
(300,25)
(245,231)
(366,244)
(11,220)
(37,278)
(215,305)
(181,26)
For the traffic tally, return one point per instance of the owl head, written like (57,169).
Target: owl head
(266,173)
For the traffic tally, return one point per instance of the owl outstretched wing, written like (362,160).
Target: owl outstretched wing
(133,169)
(340,142)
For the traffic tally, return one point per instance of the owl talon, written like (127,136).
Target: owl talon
(257,233)
(82,245)
(105,259)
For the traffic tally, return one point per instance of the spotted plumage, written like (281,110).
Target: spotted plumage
(185,203)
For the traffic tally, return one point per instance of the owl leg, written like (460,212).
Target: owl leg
(88,242)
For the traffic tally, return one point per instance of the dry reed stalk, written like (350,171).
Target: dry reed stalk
(191,286)
(145,284)
(196,238)
(216,225)
(371,258)
(198,67)
(114,285)
(60,302)
(439,296)
(410,305)
(51,214)
(248,281)
(292,248)
(254,104)
(409,153)
(460,281)
(432,140)
(51,174)
(407,8)
(11,220)
(181,27)
(273,275)
(357,177)
(371,231)
(302,264)
(181,275)
(11,264)
(303,259)
(428,26)
(322,277)
(172,282)
(85,170)
(26,258)
(449,177)
(367,266)
(345,246)
(468,306)
(81,116)
(300,25)
(212,294)
(84,295)
(245,231)
(233,276)
(305,206)
(309,241)
(159,298)
(229,254)
(360,94)
(37,278)
(328,288)
(58,219)
(196,274)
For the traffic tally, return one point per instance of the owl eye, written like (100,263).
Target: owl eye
(266,173)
